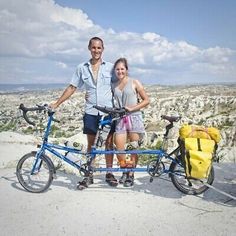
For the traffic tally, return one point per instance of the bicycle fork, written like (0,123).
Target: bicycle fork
(37,162)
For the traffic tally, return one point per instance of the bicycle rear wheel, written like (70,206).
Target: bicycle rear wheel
(188,186)
(41,179)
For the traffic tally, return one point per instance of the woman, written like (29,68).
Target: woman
(126,93)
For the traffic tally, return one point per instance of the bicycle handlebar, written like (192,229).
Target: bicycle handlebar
(112,111)
(122,111)
(38,108)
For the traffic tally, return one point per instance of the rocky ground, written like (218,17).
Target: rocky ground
(146,208)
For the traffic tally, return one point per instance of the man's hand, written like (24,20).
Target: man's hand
(66,94)
(53,106)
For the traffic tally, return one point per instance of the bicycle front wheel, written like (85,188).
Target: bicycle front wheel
(38,181)
(188,186)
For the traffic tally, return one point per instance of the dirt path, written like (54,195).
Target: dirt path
(146,209)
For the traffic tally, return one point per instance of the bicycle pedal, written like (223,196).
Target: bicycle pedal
(151,180)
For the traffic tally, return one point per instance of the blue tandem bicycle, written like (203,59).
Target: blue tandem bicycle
(35,171)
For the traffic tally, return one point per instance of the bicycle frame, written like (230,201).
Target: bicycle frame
(155,167)
(52,148)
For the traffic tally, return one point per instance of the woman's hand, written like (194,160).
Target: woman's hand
(129,109)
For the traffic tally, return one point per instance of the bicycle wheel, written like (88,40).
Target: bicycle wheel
(38,181)
(188,186)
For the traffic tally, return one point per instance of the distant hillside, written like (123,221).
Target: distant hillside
(211,105)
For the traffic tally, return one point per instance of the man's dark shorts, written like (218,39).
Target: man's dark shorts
(91,124)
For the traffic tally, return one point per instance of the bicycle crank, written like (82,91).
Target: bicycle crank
(155,169)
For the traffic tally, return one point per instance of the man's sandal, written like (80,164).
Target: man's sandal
(84,183)
(111,180)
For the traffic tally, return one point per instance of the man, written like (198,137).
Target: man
(95,77)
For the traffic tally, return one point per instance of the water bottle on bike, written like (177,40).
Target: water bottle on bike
(70,155)
(103,133)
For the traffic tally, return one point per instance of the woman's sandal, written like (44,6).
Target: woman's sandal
(129,182)
(123,178)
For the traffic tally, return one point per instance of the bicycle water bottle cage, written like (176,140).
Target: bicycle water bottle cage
(99,142)
(102,136)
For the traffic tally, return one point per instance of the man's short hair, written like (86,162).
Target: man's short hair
(95,38)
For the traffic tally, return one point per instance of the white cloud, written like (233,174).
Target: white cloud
(71,17)
(40,30)
(217,55)
(151,37)
(62,65)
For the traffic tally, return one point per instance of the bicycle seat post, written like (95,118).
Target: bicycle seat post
(165,136)
(168,127)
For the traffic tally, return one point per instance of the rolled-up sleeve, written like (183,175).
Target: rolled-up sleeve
(76,79)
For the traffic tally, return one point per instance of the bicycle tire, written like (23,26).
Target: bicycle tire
(38,182)
(188,186)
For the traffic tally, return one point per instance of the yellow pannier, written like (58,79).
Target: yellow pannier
(196,131)
(198,156)
(204,145)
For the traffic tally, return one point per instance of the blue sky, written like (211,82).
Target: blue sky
(204,23)
(165,41)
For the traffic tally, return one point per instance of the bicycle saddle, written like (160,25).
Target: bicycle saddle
(171,118)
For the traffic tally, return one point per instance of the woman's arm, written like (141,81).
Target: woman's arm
(142,93)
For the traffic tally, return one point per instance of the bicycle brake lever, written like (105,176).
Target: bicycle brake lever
(22,107)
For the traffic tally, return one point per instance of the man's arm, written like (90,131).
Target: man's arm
(66,94)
